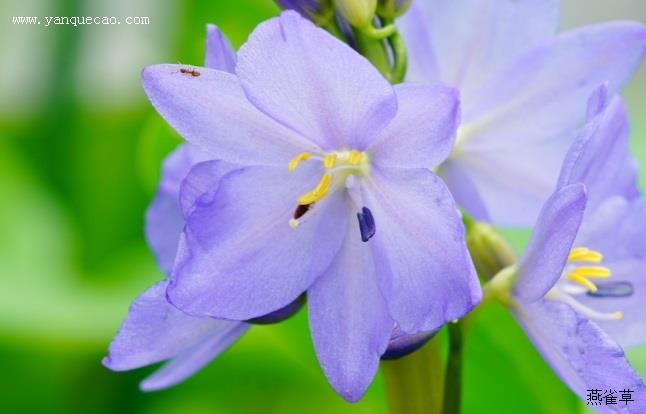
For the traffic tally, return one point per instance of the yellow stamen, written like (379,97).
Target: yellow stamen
(355,157)
(293,163)
(582,281)
(317,193)
(617,315)
(329,160)
(583,254)
(293,223)
(598,272)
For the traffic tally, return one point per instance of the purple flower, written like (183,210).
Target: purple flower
(306,8)
(154,330)
(523,92)
(580,287)
(318,183)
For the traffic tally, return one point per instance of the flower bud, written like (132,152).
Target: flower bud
(393,8)
(358,13)
(316,10)
(280,314)
(489,250)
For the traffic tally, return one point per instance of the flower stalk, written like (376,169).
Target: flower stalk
(414,383)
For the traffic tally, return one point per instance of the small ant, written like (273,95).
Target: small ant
(190,71)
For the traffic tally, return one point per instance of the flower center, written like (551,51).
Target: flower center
(341,169)
(575,280)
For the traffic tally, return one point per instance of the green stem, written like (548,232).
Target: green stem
(400,59)
(374,51)
(453,379)
(414,383)
(378,33)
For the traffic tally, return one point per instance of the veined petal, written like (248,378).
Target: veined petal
(188,362)
(201,179)
(425,272)
(582,354)
(349,320)
(473,39)
(219,53)
(548,249)
(422,133)
(515,135)
(154,331)
(212,112)
(546,86)
(164,220)
(239,258)
(618,229)
(600,159)
(422,63)
(310,81)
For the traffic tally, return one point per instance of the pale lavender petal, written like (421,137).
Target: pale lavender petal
(473,39)
(422,133)
(548,249)
(617,229)
(422,65)
(154,331)
(581,354)
(515,134)
(212,112)
(164,220)
(348,318)
(188,362)
(553,81)
(238,256)
(309,80)
(419,249)
(598,101)
(600,159)
(464,189)
(202,178)
(219,53)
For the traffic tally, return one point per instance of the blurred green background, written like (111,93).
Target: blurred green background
(80,149)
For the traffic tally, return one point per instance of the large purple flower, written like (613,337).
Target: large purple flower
(154,330)
(523,92)
(318,183)
(573,308)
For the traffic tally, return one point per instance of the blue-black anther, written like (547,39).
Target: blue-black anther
(366,224)
(613,290)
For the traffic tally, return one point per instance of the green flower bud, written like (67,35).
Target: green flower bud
(489,250)
(393,8)
(358,13)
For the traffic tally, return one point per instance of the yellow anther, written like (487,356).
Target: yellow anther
(355,157)
(583,254)
(329,160)
(617,315)
(293,163)
(317,193)
(598,272)
(293,223)
(582,281)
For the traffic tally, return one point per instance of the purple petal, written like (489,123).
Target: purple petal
(402,344)
(310,81)
(219,53)
(349,320)
(188,362)
(164,220)
(154,331)
(600,159)
(582,354)
(617,229)
(598,101)
(543,104)
(473,39)
(212,112)
(422,63)
(238,256)
(422,133)
(202,178)
(425,271)
(548,249)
